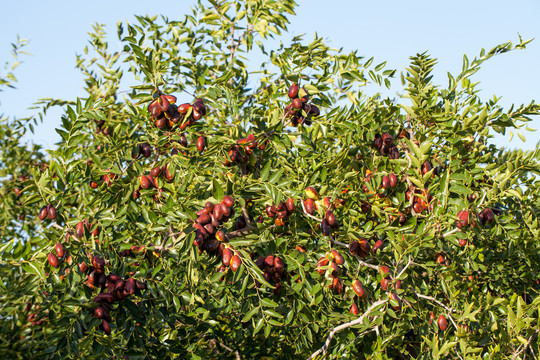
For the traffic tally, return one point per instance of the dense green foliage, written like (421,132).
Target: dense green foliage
(482,276)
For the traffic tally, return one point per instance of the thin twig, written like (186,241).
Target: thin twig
(358,321)
(363,263)
(246,216)
(451,232)
(309,215)
(450,310)
(405,268)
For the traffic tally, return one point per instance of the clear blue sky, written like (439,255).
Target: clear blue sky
(387,30)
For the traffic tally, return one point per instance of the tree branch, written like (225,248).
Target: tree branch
(358,321)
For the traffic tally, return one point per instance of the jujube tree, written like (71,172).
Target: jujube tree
(213,211)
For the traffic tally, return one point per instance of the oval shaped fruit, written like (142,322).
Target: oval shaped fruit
(170,98)
(384,283)
(365,248)
(338,258)
(51,212)
(99,312)
(290,205)
(155,172)
(43,213)
(441,259)
(293,91)
(442,322)
(235,262)
(385,183)
(463,242)
(279,266)
(106,327)
(431,317)
(358,288)
(426,167)
(312,193)
(378,245)
(296,103)
(79,230)
(98,262)
(325,227)
(384,270)
(228,201)
(226,257)
(463,219)
(394,296)
(201,143)
(354,309)
(59,249)
(53,260)
(354,248)
(393,180)
(332,221)
(146,183)
(203,219)
(309,206)
(321,263)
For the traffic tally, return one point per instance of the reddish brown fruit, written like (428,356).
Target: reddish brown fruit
(226,257)
(235,262)
(338,258)
(98,312)
(384,270)
(155,172)
(384,283)
(220,236)
(106,327)
(53,260)
(464,218)
(204,219)
(441,259)
(228,201)
(426,167)
(365,248)
(43,213)
(51,212)
(385,183)
(442,322)
(59,249)
(354,248)
(309,206)
(290,205)
(312,193)
(463,242)
(325,227)
(431,317)
(358,288)
(378,245)
(146,182)
(354,309)
(293,91)
(201,143)
(394,296)
(393,180)
(332,221)
(320,264)
(337,286)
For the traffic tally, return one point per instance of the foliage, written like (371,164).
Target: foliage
(481,275)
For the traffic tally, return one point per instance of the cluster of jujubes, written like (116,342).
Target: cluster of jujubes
(167,115)
(47,211)
(101,128)
(299,110)
(332,262)
(273,269)
(385,145)
(86,225)
(242,153)
(281,212)
(207,237)
(113,289)
(57,256)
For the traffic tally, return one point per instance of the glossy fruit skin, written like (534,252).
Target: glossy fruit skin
(226,257)
(309,205)
(53,260)
(228,201)
(59,249)
(338,258)
(358,288)
(201,143)
(146,182)
(236,261)
(442,323)
(395,297)
(293,91)
(312,193)
(43,213)
(393,180)
(325,227)
(354,309)
(79,230)
(51,212)
(463,219)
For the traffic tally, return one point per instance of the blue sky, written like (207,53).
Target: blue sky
(390,31)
